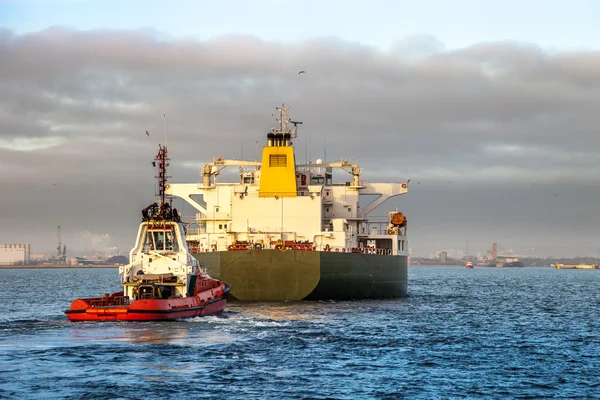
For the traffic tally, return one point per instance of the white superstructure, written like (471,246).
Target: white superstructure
(277,203)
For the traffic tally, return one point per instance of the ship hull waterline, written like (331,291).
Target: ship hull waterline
(275,275)
(147,310)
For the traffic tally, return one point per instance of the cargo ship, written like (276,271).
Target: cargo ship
(494,260)
(513,264)
(288,231)
(506,264)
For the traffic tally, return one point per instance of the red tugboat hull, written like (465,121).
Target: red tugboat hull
(114,307)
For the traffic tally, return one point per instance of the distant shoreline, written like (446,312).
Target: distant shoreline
(478,266)
(55,266)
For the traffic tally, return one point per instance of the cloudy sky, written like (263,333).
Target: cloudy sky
(493,107)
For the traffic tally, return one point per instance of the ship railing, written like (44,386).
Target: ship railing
(243,192)
(195,231)
(110,301)
(360,250)
(200,217)
(378,231)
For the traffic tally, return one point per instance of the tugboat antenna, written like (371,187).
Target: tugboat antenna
(165,127)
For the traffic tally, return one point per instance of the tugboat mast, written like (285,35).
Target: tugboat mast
(162,160)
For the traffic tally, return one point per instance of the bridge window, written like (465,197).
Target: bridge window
(170,242)
(160,240)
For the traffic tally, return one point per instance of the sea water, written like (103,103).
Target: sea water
(461,333)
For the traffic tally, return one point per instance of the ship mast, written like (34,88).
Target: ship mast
(161,161)
(283,120)
(161,210)
(282,136)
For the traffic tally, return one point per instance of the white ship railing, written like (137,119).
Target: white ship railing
(372,250)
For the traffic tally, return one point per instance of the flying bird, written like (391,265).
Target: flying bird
(147,133)
(555,194)
(301,72)
(449,181)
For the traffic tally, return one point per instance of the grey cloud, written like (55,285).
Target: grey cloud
(494,115)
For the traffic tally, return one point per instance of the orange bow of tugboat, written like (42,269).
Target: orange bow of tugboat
(162,280)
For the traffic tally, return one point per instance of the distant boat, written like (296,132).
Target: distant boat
(513,264)
(469,264)
(577,266)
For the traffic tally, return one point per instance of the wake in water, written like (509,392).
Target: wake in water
(460,333)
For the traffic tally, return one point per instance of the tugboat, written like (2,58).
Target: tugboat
(163,281)
(469,264)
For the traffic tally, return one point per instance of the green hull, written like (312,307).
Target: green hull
(307,275)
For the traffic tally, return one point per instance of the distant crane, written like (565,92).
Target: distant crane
(493,256)
(61,251)
(58,248)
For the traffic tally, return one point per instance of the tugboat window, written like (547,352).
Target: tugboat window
(159,239)
(149,243)
(171,241)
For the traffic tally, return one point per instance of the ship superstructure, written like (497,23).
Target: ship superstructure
(279,206)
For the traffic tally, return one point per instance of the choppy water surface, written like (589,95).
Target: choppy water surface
(495,333)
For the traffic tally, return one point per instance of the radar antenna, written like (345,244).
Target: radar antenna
(295,128)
